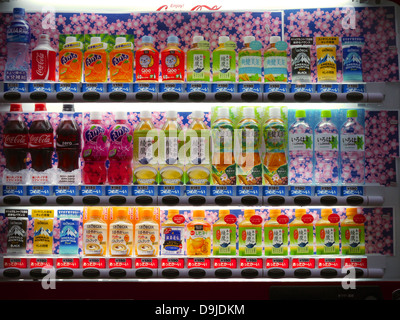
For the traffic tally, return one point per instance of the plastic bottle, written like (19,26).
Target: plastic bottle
(326,150)
(172,61)
(15,140)
(276,234)
(121,234)
(121,61)
(173,234)
(147,235)
(353,233)
(301,59)
(224,60)
(197,153)
(275,62)
(301,149)
(224,235)
(18,42)
(68,140)
(249,62)
(120,152)
(70,61)
(95,233)
(198,60)
(95,61)
(41,140)
(327,233)
(249,167)
(301,233)
(147,61)
(275,169)
(95,150)
(17,228)
(223,160)
(352,143)
(326,59)
(250,234)
(352,59)
(199,235)
(42,234)
(44,60)
(69,236)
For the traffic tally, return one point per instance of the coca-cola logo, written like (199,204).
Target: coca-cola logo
(93,132)
(68,57)
(116,60)
(118,132)
(41,140)
(15,140)
(91,59)
(41,63)
(67,140)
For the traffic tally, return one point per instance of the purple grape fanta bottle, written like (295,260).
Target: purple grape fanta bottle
(326,150)
(352,141)
(301,150)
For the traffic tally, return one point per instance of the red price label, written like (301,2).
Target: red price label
(20,263)
(303,263)
(225,263)
(123,263)
(99,263)
(203,263)
(146,263)
(277,263)
(355,263)
(256,219)
(335,263)
(41,263)
(251,263)
(178,219)
(230,219)
(307,218)
(173,263)
(72,263)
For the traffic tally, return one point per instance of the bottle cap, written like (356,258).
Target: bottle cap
(248,112)
(95,115)
(223,212)
(351,211)
(326,114)
(275,113)
(121,115)
(172,39)
(223,39)
(273,213)
(171,114)
(70,39)
(94,40)
(249,39)
(121,212)
(15,107)
(249,212)
(326,212)
(198,214)
(172,213)
(352,113)
(94,212)
(68,107)
(120,40)
(44,38)
(40,107)
(147,39)
(147,214)
(223,113)
(197,39)
(300,114)
(145,114)
(274,39)
(197,114)
(300,212)
(19,12)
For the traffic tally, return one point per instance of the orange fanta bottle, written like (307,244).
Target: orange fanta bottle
(96,61)
(121,61)
(70,61)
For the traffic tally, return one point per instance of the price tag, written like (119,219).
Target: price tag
(99,263)
(282,263)
(223,87)
(43,87)
(117,190)
(222,191)
(146,263)
(123,263)
(96,87)
(41,263)
(13,190)
(198,87)
(324,191)
(170,191)
(346,88)
(71,263)
(274,87)
(148,87)
(16,87)
(38,190)
(249,87)
(65,190)
(308,263)
(121,87)
(301,88)
(143,190)
(256,263)
(20,263)
(204,263)
(229,263)
(355,263)
(352,190)
(248,190)
(69,87)
(173,263)
(273,191)
(335,263)
(171,87)
(196,190)
(327,88)
(300,190)
(91,190)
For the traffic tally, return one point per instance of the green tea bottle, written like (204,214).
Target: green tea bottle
(224,60)
(224,235)
(198,60)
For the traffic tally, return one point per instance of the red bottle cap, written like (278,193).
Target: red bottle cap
(15,107)
(40,107)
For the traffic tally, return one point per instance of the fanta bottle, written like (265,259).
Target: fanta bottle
(172,61)
(121,61)
(147,61)
(96,61)
(70,61)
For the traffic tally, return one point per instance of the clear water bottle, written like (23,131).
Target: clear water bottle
(18,40)
(352,143)
(326,150)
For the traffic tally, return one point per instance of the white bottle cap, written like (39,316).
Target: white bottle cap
(249,39)
(70,39)
(171,114)
(94,40)
(197,114)
(121,115)
(197,39)
(120,40)
(274,39)
(223,113)
(275,113)
(248,112)
(223,39)
(95,115)
(145,114)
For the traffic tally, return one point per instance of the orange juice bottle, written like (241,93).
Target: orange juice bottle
(121,61)
(95,61)
(199,235)
(70,61)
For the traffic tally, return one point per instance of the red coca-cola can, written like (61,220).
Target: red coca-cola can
(44,60)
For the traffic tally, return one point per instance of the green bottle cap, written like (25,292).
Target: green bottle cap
(300,113)
(351,113)
(326,114)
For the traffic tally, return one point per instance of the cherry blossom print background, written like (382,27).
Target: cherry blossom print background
(375,24)
(379,236)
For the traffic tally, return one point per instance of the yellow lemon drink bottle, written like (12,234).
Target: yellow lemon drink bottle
(199,235)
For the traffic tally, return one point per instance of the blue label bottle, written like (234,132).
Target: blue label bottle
(69,236)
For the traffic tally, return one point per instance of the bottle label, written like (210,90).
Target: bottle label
(173,65)
(145,151)
(16,140)
(146,240)
(224,240)
(276,241)
(300,142)
(16,236)
(327,239)
(69,235)
(41,140)
(68,140)
(249,67)
(43,236)
(224,66)
(18,34)
(171,150)
(44,65)
(301,240)
(121,239)
(301,63)
(197,150)
(250,240)
(199,241)
(326,141)
(352,142)
(353,241)
(147,65)
(275,67)
(326,63)
(121,147)
(95,239)
(275,137)
(172,240)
